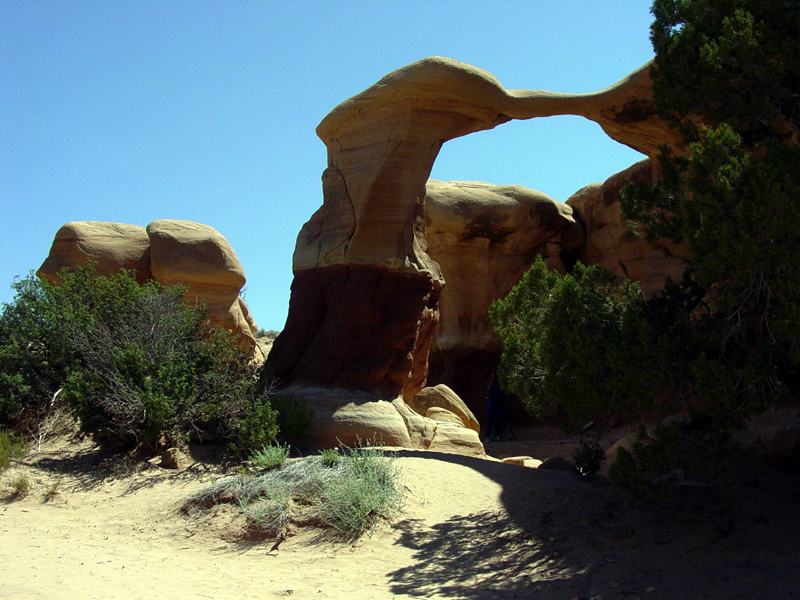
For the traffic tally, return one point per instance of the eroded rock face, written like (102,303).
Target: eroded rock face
(358,327)
(381,147)
(199,257)
(113,246)
(442,397)
(354,417)
(612,245)
(484,238)
(168,251)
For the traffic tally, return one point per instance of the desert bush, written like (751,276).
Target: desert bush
(350,496)
(135,363)
(588,458)
(20,486)
(366,490)
(34,358)
(294,415)
(658,461)
(568,342)
(11,447)
(270,457)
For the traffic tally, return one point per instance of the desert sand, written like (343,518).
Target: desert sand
(470,528)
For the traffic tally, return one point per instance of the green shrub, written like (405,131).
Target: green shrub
(568,342)
(349,496)
(255,425)
(34,356)
(136,364)
(589,458)
(270,457)
(294,416)
(657,463)
(330,457)
(366,490)
(11,447)
(20,486)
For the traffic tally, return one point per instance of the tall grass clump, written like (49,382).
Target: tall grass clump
(270,457)
(350,496)
(364,492)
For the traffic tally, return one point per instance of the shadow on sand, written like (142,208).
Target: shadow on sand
(560,537)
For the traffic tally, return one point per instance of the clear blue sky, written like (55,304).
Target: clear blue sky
(132,111)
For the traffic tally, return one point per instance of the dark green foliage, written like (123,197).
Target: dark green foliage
(135,364)
(730,61)
(728,75)
(725,341)
(33,360)
(11,447)
(568,342)
(588,458)
(294,416)
(696,449)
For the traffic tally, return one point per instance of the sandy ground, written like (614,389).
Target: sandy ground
(470,528)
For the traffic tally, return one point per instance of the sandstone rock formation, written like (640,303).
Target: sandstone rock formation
(612,245)
(352,417)
(365,290)
(170,252)
(113,246)
(443,398)
(198,256)
(367,295)
(484,238)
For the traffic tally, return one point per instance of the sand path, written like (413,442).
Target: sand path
(470,528)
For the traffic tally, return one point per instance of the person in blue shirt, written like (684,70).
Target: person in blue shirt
(495,407)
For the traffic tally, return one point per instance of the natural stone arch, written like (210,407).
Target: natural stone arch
(365,297)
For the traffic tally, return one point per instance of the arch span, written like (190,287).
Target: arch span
(365,296)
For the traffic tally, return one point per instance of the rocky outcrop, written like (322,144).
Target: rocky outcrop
(612,245)
(199,257)
(113,246)
(353,417)
(484,237)
(170,252)
(441,397)
(369,266)
(370,229)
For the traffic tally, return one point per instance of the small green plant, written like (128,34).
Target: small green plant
(271,512)
(11,447)
(588,458)
(658,461)
(20,486)
(52,490)
(270,457)
(294,416)
(330,457)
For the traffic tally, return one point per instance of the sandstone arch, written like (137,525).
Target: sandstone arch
(366,293)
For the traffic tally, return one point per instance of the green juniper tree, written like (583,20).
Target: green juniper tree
(725,341)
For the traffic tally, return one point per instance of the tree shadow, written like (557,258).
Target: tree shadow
(558,537)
